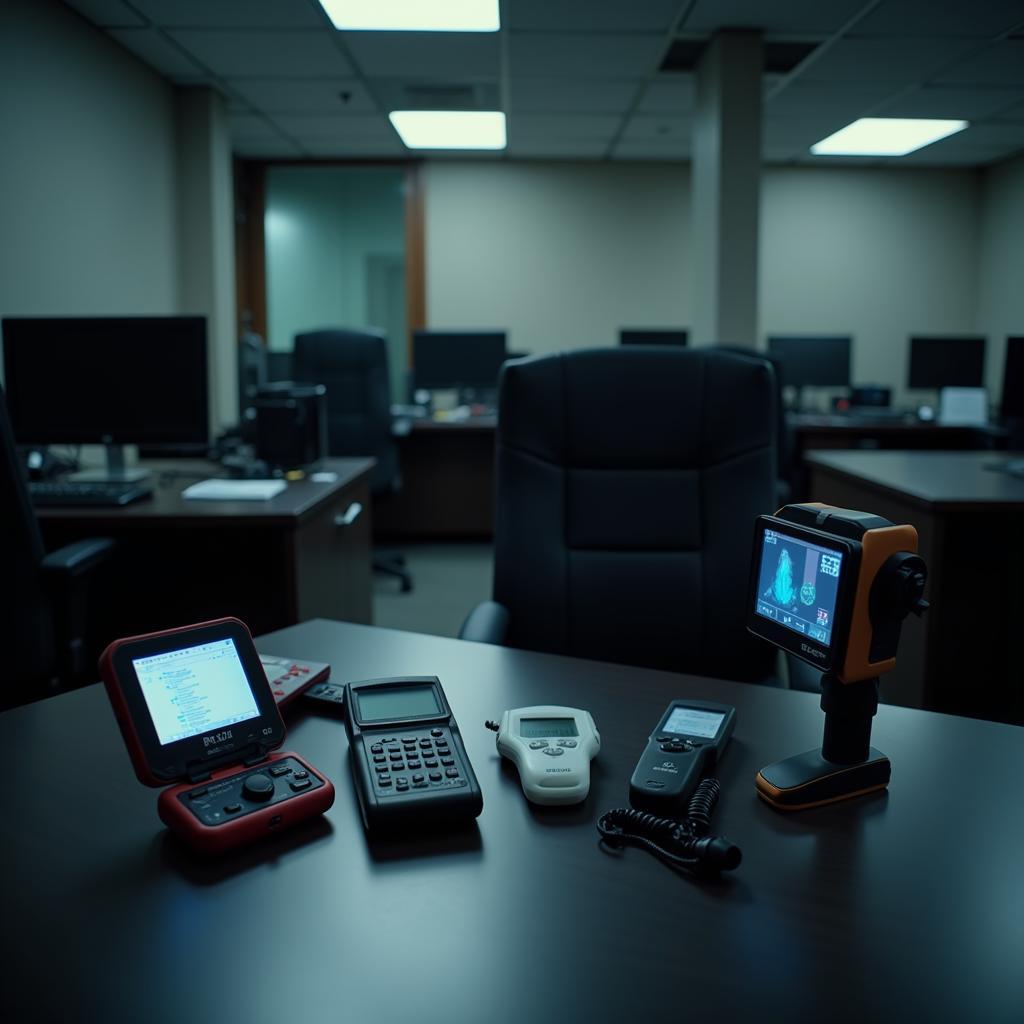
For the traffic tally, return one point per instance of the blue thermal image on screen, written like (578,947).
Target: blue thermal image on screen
(797,585)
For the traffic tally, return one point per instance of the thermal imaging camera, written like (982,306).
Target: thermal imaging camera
(198,715)
(832,586)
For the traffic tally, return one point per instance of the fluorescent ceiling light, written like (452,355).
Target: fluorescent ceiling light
(450,129)
(886,136)
(414,15)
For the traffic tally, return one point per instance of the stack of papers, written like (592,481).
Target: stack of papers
(234,490)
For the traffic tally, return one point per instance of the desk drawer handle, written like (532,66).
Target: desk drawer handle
(350,515)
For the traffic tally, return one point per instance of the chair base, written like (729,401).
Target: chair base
(394,565)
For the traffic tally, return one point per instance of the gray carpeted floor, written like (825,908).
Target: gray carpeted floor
(448,580)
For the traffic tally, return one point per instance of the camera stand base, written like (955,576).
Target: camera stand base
(808,780)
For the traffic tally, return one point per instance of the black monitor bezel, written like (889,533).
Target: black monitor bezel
(380,725)
(827,658)
(196,439)
(780,358)
(188,757)
(1017,341)
(432,334)
(655,336)
(915,339)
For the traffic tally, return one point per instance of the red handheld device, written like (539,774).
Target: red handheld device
(196,711)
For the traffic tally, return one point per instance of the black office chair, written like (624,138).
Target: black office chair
(353,366)
(45,608)
(628,481)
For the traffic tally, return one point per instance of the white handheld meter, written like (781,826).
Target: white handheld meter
(552,747)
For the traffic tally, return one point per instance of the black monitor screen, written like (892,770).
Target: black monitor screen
(812,361)
(120,380)
(1012,404)
(946,363)
(653,336)
(458,359)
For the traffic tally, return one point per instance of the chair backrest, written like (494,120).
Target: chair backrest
(27,629)
(353,366)
(628,481)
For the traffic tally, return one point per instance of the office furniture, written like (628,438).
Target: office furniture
(653,336)
(1011,402)
(628,480)
(897,906)
(353,366)
(447,482)
(963,656)
(44,620)
(457,359)
(279,365)
(934,363)
(252,375)
(811,361)
(272,563)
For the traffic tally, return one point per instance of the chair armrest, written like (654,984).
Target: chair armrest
(487,623)
(77,558)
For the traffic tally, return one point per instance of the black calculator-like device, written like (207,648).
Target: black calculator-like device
(409,764)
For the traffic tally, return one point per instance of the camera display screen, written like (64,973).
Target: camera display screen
(797,585)
(387,703)
(195,689)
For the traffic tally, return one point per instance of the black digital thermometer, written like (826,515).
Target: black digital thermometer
(689,739)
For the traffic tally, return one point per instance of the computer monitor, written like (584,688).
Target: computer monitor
(1011,404)
(108,380)
(653,335)
(457,359)
(812,360)
(946,362)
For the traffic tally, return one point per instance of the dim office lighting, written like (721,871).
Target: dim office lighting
(450,129)
(886,136)
(414,15)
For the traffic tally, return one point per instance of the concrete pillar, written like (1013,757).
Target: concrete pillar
(206,252)
(727,189)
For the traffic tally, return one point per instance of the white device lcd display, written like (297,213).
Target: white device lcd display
(388,703)
(535,728)
(694,722)
(195,690)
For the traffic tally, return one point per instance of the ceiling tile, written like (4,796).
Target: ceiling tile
(951,102)
(836,102)
(649,149)
(605,16)
(232,14)
(266,148)
(586,95)
(902,59)
(990,134)
(795,17)
(955,156)
(355,148)
(662,129)
(557,149)
(288,54)
(449,55)
(151,46)
(314,96)
(107,13)
(252,127)
(536,55)
(985,18)
(1001,64)
(1014,113)
(354,126)
(678,93)
(563,126)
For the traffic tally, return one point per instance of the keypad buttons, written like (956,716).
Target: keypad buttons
(417,778)
(381,768)
(414,764)
(197,793)
(385,780)
(452,773)
(302,774)
(431,763)
(377,748)
(538,744)
(567,743)
(554,751)
(278,770)
(379,759)
(298,785)
(436,732)
(395,757)
(259,787)
(435,776)
(232,808)
(447,761)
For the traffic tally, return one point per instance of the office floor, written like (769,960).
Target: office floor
(448,580)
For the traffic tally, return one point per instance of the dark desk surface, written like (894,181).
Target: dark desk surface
(294,504)
(935,479)
(899,906)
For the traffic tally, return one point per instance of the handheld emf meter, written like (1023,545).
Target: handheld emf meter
(195,708)
(408,761)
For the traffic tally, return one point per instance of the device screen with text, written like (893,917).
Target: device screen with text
(386,704)
(797,585)
(195,690)
(536,728)
(694,722)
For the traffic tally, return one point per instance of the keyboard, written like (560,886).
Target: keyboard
(71,494)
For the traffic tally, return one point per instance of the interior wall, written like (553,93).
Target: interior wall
(1001,264)
(87,171)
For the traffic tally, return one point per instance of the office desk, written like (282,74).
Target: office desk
(964,655)
(898,906)
(447,483)
(272,563)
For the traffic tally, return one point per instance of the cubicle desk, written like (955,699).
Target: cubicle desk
(447,483)
(272,563)
(898,906)
(964,655)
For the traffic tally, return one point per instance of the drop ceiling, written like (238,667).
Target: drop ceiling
(581,79)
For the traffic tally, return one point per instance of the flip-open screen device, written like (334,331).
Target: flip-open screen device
(195,708)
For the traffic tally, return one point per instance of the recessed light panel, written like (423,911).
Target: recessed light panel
(414,15)
(450,129)
(886,136)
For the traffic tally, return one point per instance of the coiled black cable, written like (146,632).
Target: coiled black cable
(680,844)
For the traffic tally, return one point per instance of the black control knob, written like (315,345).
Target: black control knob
(258,788)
